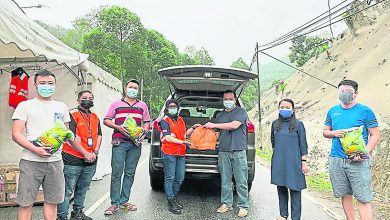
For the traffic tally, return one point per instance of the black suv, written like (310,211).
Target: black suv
(199,91)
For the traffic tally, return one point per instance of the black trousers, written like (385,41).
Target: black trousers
(296,205)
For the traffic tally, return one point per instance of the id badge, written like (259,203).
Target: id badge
(90,142)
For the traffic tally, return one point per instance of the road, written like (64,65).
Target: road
(200,200)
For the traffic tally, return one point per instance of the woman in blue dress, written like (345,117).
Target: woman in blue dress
(289,159)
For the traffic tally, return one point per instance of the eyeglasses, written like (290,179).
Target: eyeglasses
(172,106)
(347,90)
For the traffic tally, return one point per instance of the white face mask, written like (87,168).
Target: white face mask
(229,104)
(131,93)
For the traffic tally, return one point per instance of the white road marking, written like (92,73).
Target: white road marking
(98,202)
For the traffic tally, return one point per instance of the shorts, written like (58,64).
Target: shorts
(351,178)
(34,174)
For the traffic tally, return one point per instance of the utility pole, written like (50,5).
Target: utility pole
(330,21)
(142,88)
(259,92)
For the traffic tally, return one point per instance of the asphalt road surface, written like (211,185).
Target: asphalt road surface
(200,200)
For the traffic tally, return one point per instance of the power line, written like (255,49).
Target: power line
(303,27)
(298,69)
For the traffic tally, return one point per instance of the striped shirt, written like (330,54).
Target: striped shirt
(120,109)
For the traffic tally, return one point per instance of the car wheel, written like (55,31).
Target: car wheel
(249,186)
(157,184)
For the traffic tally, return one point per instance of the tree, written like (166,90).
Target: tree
(249,94)
(304,48)
(192,56)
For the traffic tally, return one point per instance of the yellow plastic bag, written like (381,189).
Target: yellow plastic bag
(131,125)
(54,137)
(353,143)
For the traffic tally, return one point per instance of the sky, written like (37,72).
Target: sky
(228,29)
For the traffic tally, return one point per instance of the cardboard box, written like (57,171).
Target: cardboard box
(3,197)
(2,183)
(11,197)
(11,182)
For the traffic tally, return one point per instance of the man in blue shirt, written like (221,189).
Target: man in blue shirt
(351,176)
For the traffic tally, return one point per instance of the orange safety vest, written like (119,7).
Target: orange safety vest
(18,90)
(178,130)
(85,127)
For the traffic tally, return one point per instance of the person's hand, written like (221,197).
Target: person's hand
(209,125)
(305,167)
(196,125)
(187,143)
(42,151)
(90,157)
(356,157)
(338,133)
(122,129)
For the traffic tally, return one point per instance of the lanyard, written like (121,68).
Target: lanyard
(88,124)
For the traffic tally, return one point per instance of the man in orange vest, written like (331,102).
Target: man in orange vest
(173,151)
(78,171)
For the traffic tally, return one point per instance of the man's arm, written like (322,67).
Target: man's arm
(18,135)
(373,139)
(328,133)
(146,125)
(224,126)
(76,145)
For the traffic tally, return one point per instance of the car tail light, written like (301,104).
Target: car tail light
(250,127)
(155,124)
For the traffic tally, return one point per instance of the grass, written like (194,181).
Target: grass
(319,182)
(265,154)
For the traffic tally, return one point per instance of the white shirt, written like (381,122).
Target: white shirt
(40,116)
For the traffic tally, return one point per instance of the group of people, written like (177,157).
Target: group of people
(70,171)
(350,176)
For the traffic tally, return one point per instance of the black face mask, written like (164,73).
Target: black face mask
(87,104)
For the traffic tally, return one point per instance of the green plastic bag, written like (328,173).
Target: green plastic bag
(131,125)
(54,137)
(353,143)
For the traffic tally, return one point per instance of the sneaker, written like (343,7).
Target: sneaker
(224,209)
(111,210)
(172,207)
(79,216)
(242,213)
(177,203)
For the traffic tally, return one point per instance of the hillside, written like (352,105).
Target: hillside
(364,59)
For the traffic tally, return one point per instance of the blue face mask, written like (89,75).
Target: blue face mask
(46,90)
(229,104)
(172,111)
(285,113)
(131,93)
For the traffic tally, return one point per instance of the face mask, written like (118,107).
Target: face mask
(132,93)
(346,97)
(172,111)
(46,90)
(86,104)
(229,104)
(285,113)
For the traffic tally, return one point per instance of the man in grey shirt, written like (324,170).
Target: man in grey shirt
(231,124)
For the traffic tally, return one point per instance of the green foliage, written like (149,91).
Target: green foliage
(116,40)
(319,182)
(304,48)
(192,56)
(265,154)
(269,74)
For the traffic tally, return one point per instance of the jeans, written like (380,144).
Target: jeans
(174,172)
(125,157)
(77,181)
(296,206)
(234,163)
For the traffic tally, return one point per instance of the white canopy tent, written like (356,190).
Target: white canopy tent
(23,43)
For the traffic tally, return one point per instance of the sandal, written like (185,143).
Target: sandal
(128,206)
(111,210)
